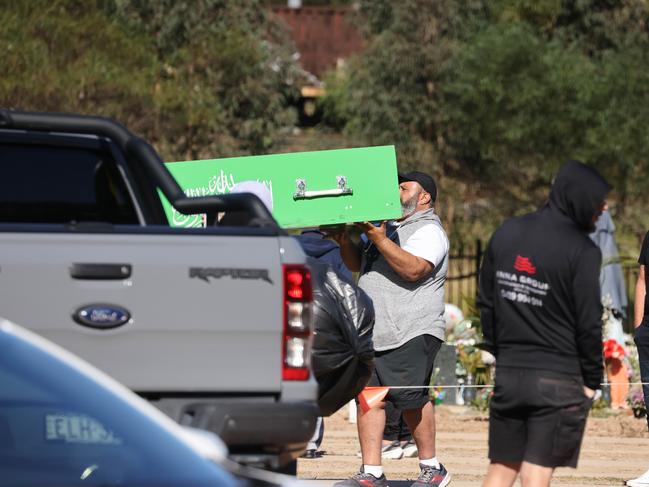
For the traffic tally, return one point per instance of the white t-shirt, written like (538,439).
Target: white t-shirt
(429,242)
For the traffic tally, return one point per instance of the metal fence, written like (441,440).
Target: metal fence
(462,279)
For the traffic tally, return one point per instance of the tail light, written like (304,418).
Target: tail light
(296,343)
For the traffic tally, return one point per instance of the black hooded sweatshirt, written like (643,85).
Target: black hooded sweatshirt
(539,294)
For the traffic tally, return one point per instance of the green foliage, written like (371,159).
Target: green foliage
(202,78)
(504,79)
(389,95)
(54,62)
(482,399)
(492,97)
(489,96)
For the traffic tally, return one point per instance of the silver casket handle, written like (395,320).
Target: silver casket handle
(301,192)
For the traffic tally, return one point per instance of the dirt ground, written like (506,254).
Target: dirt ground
(615,449)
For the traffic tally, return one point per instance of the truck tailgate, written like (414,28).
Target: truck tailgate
(207,304)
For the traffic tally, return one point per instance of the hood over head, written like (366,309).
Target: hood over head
(314,244)
(577,192)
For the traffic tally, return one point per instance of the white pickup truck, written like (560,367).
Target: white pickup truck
(211,325)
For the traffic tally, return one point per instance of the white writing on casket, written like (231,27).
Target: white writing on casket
(220,183)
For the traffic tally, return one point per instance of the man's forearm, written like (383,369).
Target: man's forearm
(351,255)
(638,306)
(407,265)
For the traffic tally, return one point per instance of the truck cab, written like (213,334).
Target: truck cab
(211,325)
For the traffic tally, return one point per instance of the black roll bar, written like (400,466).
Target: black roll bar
(140,150)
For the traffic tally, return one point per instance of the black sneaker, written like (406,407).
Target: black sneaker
(363,479)
(431,476)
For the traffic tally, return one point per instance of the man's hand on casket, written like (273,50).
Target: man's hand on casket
(374,233)
(349,251)
(338,235)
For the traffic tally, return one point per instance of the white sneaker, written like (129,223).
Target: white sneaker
(642,481)
(410,449)
(391,451)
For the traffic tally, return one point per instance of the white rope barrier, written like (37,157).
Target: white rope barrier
(352,403)
(482,386)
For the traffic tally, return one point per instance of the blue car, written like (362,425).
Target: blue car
(64,423)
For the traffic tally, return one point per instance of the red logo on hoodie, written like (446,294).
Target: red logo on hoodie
(524,264)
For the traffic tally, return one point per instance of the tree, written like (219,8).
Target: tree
(203,78)
(493,96)
(68,56)
(231,63)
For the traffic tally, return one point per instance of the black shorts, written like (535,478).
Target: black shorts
(537,416)
(409,365)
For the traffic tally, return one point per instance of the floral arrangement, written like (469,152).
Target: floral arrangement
(632,358)
(612,349)
(482,399)
(436,393)
(466,337)
(607,315)
(636,401)
(470,369)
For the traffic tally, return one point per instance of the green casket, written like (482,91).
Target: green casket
(309,189)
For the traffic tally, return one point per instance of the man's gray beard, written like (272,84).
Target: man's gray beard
(408,207)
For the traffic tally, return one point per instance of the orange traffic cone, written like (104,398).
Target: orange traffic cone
(371,396)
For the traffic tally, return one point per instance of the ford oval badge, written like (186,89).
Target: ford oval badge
(101,316)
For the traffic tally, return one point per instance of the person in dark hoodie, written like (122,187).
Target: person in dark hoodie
(539,300)
(315,245)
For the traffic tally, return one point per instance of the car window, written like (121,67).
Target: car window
(61,184)
(58,428)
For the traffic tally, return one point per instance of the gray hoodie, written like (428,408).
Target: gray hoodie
(611,277)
